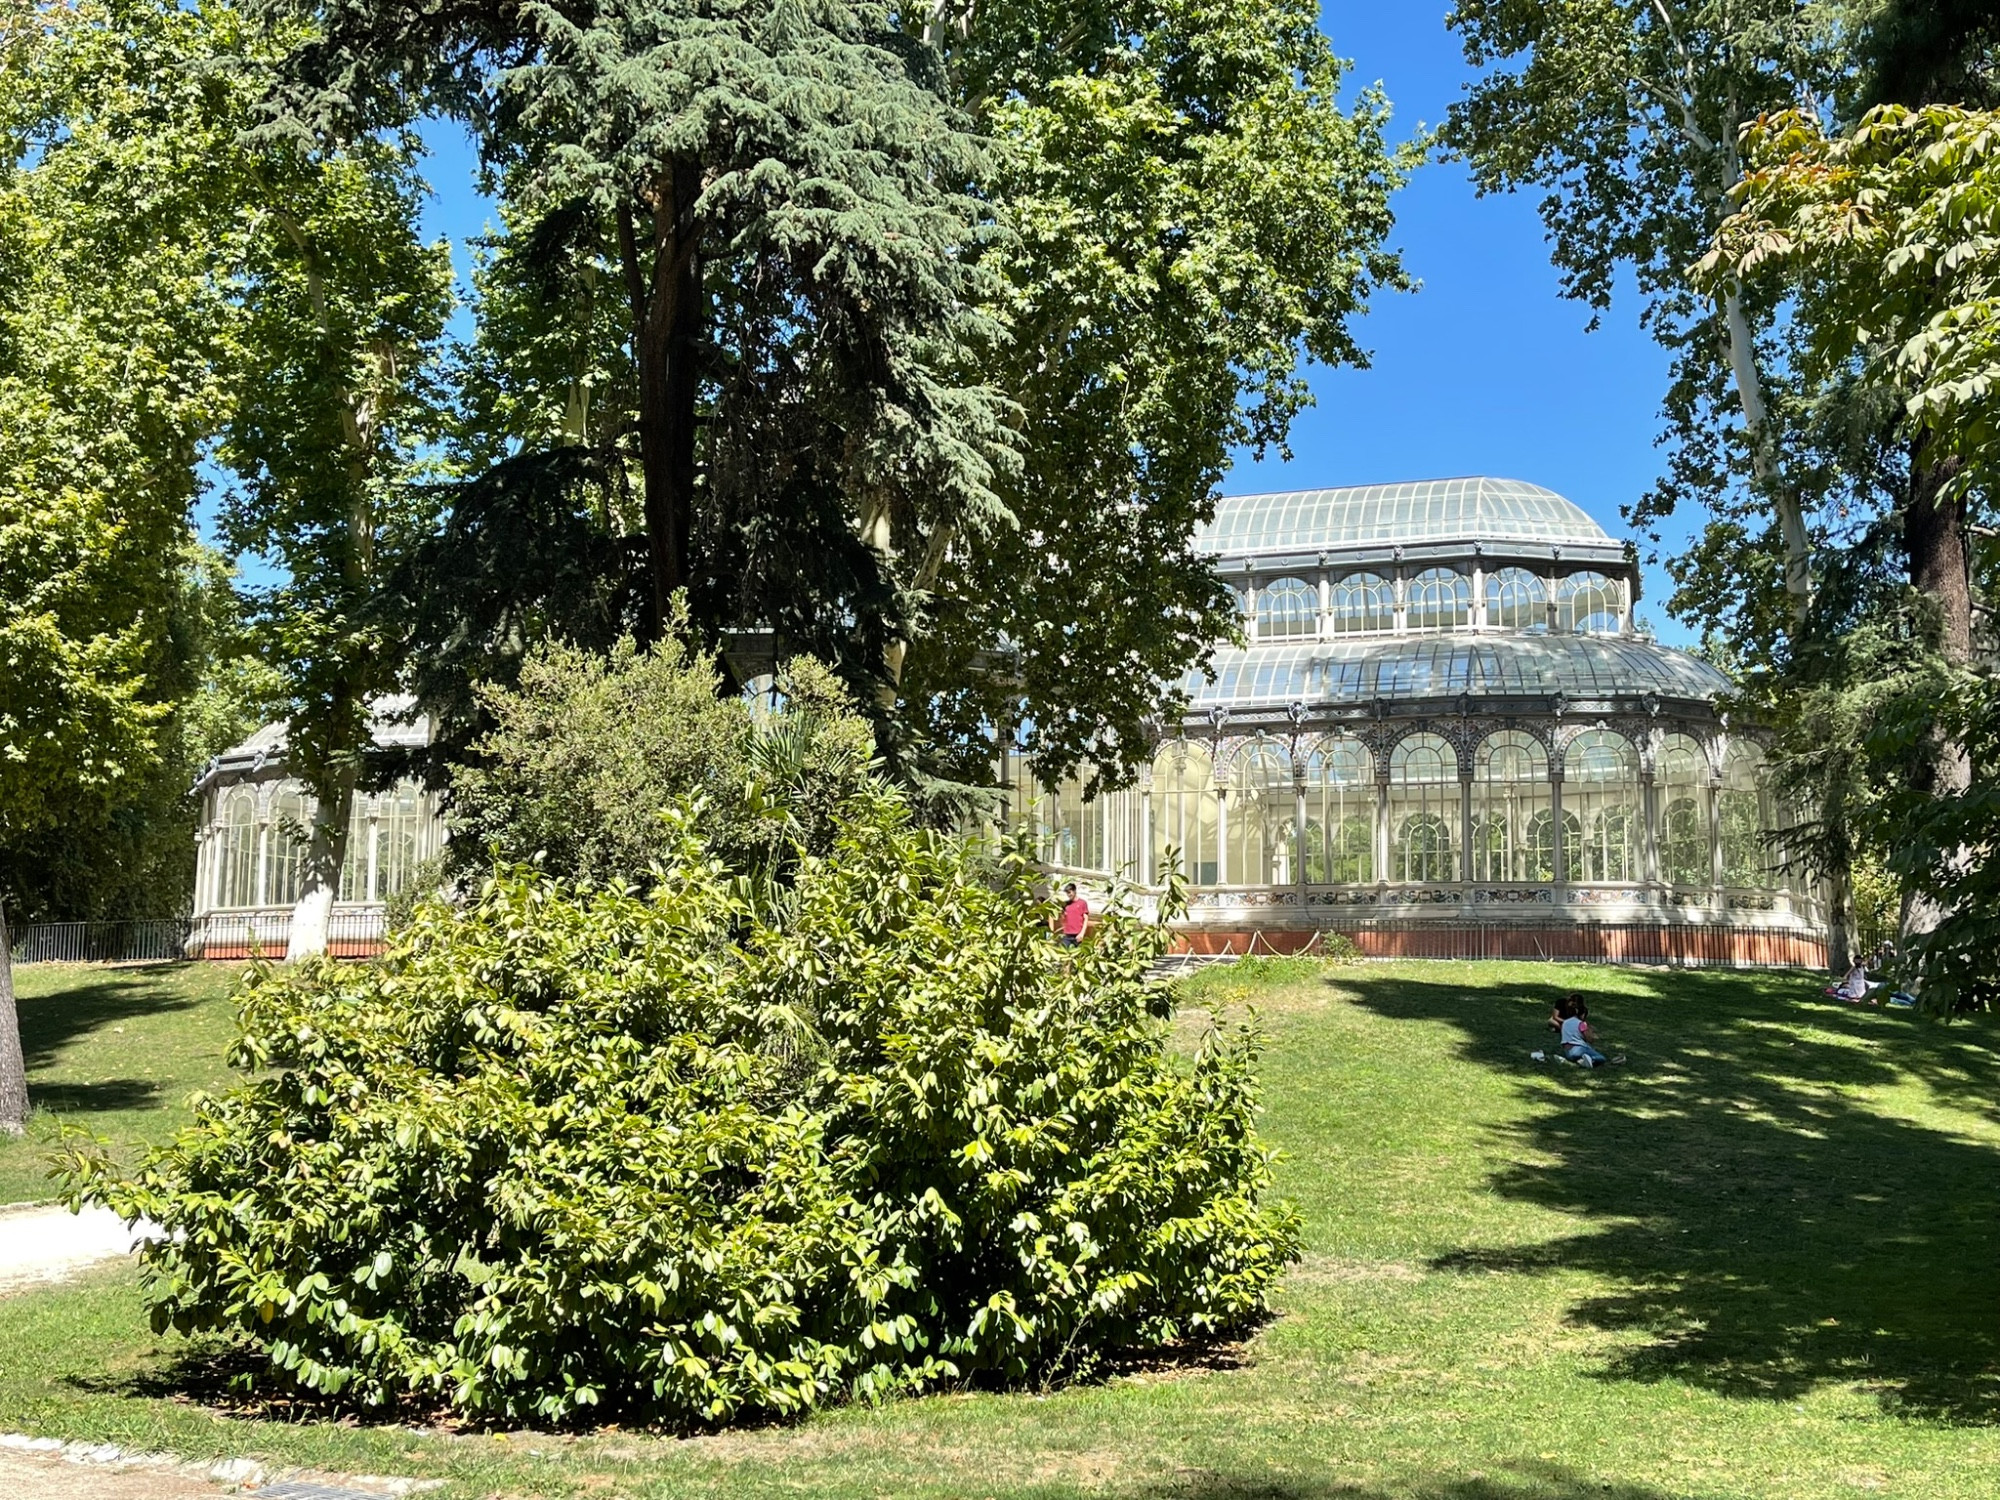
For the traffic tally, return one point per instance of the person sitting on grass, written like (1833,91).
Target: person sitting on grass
(1857,986)
(1578,1039)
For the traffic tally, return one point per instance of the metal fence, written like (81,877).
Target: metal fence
(267,934)
(1684,946)
(100,942)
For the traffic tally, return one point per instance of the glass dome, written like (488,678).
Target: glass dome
(1335,673)
(1376,515)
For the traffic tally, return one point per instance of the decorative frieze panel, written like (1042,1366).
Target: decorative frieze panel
(1515,896)
(1612,896)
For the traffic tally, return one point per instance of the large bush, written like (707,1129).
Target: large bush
(727,1148)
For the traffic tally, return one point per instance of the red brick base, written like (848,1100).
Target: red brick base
(1693,947)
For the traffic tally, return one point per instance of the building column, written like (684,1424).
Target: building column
(1402,603)
(373,886)
(1714,802)
(263,863)
(1325,606)
(1382,829)
(1299,840)
(1465,870)
(1561,831)
(1144,863)
(1478,595)
(1250,609)
(1222,835)
(1624,606)
(1649,837)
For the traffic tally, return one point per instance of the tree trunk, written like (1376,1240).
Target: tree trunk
(667,325)
(1934,538)
(13,1068)
(1839,930)
(1740,340)
(319,877)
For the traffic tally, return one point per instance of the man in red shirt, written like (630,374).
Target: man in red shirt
(1075,916)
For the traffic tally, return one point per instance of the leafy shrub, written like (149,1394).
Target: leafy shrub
(723,1149)
(588,751)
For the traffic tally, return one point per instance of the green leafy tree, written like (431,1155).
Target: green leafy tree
(109,348)
(340,311)
(1173,211)
(1885,234)
(1193,214)
(1626,114)
(781,199)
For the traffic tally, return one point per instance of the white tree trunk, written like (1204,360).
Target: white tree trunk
(319,884)
(1764,454)
(13,1069)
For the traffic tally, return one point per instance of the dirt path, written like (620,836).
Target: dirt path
(52,1244)
(53,1478)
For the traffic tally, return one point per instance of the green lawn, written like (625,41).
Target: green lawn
(1760,1261)
(116,1051)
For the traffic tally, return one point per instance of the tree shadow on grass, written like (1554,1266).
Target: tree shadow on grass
(51,1023)
(1768,1230)
(1516,1481)
(106,1096)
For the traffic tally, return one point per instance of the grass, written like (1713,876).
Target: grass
(1758,1262)
(116,1051)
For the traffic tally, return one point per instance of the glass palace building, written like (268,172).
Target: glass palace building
(1444,735)
(249,845)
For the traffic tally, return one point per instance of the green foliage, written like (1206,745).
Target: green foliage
(700,1156)
(589,751)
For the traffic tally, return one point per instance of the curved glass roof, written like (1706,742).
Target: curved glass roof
(1431,510)
(1443,666)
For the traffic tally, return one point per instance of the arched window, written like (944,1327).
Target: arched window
(1516,600)
(290,831)
(237,858)
(1542,844)
(1263,817)
(1601,790)
(1510,792)
(1184,812)
(401,842)
(1287,610)
(362,828)
(1340,814)
(1439,599)
(1361,602)
(1423,810)
(1683,791)
(1589,604)
(1747,819)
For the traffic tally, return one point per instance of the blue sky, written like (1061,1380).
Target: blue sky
(1486,369)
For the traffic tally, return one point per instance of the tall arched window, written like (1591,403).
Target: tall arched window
(1423,810)
(1439,599)
(399,839)
(361,831)
(285,862)
(1184,812)
(1263,817)
(1340,814)
(1589,604)
(237,859)
(1287,610)
(1601,790)
(1682,780)
(1746,817)
(1510,793)
(1361,602)
(1516,600)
